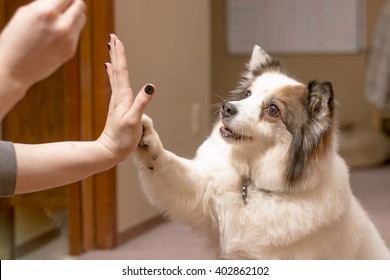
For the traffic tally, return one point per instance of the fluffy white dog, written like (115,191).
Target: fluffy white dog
(268,183)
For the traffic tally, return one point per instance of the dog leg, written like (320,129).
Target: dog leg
(170,182)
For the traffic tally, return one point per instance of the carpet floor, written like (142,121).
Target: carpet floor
(175,241)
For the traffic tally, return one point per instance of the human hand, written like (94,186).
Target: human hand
(123,129)
(39,38)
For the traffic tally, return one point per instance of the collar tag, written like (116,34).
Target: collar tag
(245,185)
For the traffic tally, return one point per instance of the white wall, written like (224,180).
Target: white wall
(167,44)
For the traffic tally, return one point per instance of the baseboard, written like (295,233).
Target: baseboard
(123,237)
(35,243)
(139,229)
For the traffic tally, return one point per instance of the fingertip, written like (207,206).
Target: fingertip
(142,101)
(108,66)
(113,36)
(149,89)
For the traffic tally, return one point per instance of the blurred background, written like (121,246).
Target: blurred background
(194,51)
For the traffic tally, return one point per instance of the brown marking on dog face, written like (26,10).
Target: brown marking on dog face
(307,113)
(290,102)
(325,143)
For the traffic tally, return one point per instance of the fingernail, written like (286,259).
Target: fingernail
(149,89)
(109,47)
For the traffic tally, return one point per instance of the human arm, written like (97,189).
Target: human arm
(43,166)
(39,38)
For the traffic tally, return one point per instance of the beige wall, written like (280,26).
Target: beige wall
(180,46)
(168,44)
(346,72)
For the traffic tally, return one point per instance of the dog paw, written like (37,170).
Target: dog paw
(150,146)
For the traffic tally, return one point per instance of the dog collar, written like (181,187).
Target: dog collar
(247,181)
(245,185)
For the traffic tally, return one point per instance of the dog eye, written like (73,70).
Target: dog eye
(247,93)
(273,110)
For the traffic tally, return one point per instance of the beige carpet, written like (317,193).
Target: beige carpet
(372,187)
(175,241)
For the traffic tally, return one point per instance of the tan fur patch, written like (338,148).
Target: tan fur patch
(311,137)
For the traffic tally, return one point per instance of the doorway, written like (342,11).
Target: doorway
(70,105)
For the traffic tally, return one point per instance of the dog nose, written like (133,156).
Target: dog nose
(228,110)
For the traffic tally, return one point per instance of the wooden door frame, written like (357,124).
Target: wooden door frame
(92,202)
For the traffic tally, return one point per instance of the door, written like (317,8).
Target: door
(70,105)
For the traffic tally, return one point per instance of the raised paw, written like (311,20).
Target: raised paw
(147,127)
(150,146)
(149,135)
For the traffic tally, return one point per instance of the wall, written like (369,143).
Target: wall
(168,44)
(346,72)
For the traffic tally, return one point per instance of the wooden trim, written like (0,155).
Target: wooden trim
(2,14)
(7,222)
(105,182)
(92,214)
(74,220)
(139,229)
(86,90)
(73,127)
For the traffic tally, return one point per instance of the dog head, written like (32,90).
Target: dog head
(271,110)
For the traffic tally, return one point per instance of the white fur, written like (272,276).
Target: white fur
(321,220)
(259,56)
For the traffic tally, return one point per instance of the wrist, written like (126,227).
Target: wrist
(114,153)
(12,84)
(107,157)
(12,90)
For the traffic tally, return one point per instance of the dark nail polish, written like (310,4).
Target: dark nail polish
(149,89)
(109,47)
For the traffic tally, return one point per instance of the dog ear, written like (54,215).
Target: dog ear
(314,135)
(259,63)
(259,57)
(320,100)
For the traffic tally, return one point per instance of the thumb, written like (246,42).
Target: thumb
(141,101)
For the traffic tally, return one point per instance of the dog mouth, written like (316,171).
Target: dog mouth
(228,133)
